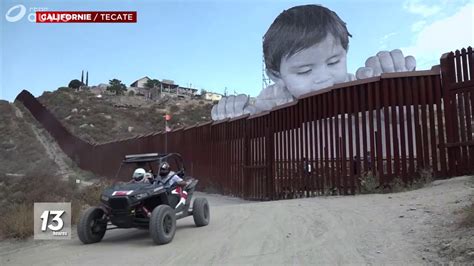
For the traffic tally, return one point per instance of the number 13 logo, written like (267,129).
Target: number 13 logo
(57,218)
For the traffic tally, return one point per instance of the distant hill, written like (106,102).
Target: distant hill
(111,117)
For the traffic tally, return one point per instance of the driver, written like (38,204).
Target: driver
(168,177)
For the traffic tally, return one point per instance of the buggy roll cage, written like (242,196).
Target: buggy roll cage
(158,158)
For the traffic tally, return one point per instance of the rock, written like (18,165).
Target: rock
(401,216)
(378,252)
(130,129)
(389,197)
(91,125)
(412,209)
(83,125)
(68,117)
(107,116)
(445,246)
(74,110)
(83,116)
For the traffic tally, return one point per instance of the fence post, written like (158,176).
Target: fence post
(447,78)
(270,157)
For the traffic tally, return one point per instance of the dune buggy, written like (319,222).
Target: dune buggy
(155,206)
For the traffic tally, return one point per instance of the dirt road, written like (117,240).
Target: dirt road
(401,228)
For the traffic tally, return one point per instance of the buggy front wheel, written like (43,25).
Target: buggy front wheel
(162,224)
(92,225)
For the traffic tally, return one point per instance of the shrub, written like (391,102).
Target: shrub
(369,183)
(468,219)
(22,192)
(397,185)
(64,89)
(425,177)
(174,109)
(17,221)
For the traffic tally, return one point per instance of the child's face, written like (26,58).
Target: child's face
(319,66)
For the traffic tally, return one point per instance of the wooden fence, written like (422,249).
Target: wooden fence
(393,126)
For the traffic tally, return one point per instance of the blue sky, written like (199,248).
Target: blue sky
(208,44)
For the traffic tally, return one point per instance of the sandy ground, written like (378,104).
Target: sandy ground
(412,227)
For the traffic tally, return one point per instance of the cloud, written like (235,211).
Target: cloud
(417,26)
(441,36)
(416,7)
(384,40)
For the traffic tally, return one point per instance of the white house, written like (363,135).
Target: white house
(140,83)
(212,96)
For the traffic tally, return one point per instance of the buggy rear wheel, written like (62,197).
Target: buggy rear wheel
(92,225)
(162,224)
(201,212)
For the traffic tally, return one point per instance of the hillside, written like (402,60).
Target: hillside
(21,152)
(113,117)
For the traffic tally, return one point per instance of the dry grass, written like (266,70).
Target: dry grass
(369,183)
(17,221)
(468,213)
(21,193)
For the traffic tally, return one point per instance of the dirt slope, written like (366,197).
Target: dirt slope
(410,227)
(53,151)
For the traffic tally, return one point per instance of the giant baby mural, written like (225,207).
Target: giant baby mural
(305,50)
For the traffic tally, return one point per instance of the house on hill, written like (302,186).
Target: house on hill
(164,87)
(99,89)
(212,96)
(187,91)
(139,88)
(140,83)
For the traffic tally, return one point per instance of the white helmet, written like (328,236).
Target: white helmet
(139,174)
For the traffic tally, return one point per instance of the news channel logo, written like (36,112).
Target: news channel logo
(18,12)
(52,220)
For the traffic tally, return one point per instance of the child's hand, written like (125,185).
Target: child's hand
(386,62)
(230,107)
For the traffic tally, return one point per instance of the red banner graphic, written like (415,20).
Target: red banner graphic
(86,17)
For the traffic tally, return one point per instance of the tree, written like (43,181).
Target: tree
(75,84)
(117,87)
(152,83)
(203,93)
